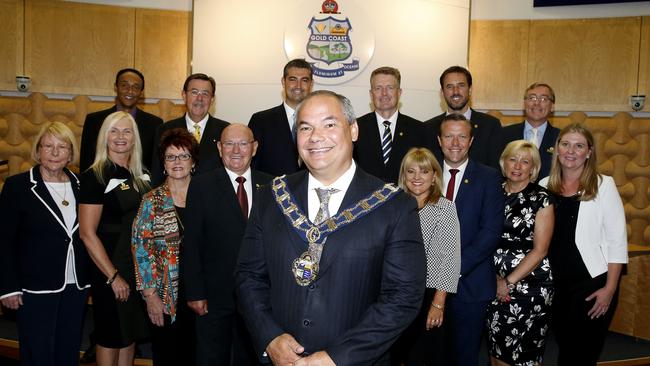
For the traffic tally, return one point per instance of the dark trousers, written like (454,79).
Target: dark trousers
(49,327)
(580,339)
(464,324)
(222,339)
(174,343)
(418,346)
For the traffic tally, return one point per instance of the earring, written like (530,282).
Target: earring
(164,171)
(192,171)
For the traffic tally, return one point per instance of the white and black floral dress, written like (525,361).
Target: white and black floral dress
(517,329)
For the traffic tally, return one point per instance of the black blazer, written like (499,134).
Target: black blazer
(409,133)
(209,158)
(370,282)
(516,132)
(488,138)
(214,230)
(35,240)
(147,124)
(276,150)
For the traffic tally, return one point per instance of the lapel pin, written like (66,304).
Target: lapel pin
(466,181)
(475,126)
(401,134)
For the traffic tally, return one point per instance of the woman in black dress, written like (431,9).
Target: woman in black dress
(517,319)
(111,190)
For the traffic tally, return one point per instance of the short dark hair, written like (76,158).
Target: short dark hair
(456,69)
(387,70)
(456,117)
(179,138)
(298,63)
(200,76)
(124,71)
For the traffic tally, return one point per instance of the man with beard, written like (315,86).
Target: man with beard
(198,94)
(386,135)
(129,87)
(274,128)
(456,88)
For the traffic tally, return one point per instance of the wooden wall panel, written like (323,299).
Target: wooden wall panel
(11,42)
(498,60)
(591,63)
(77,48)
(162,50)
(644,61)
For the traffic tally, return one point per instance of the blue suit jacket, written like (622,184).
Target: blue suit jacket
(480,205)
(370,284)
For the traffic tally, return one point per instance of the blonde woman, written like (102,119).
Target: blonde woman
(111,190)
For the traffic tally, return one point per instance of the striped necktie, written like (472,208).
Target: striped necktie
(386,142)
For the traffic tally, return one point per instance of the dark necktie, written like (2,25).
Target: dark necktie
(451,184)
(242,197)
(386,142)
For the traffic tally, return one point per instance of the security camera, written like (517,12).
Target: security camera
(23,83)
(637,102)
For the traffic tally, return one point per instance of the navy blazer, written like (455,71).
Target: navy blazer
(213,233)
(488,138)
(276,151)
(409,133)
(35,240)
(370,284)
(480,207)
(209,158)
(147,124)
(516,132)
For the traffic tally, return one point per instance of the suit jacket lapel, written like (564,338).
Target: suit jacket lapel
(210,130)
(39,189)
(298,184)
(223,180)
(284,128)
(467,179)
(547,141)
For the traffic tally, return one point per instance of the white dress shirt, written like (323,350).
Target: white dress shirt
(380,125)
(190,124)
(446,176)
(248,185)
(342,184)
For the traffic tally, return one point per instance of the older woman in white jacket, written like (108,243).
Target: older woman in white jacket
(588,249)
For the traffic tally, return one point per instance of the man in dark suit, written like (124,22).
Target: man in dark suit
(129,88)
(321,289)
(274,128)
(215,220)
(386,135)
(198,94)
(539,103)
(456,87)
(476,191)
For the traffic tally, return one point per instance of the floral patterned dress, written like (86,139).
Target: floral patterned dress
(517,329)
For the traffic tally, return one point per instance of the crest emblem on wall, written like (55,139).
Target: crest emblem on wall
(329,40)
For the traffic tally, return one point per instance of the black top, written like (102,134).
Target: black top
(180,211)
(565,258)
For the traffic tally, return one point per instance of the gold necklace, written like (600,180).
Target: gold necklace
(64,202)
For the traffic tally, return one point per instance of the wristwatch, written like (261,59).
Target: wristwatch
(510,286)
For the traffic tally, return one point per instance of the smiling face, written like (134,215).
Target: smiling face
(537,111)
(198,98)
(237,148)
(129,90)
(325,137)
(419,181)
(573,151)
(455,140)
(518,168)
(181,167)
(297,85)
(456,91)
(53,153)
(120,137)
(385,93)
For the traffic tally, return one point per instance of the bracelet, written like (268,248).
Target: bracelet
(438,306)
(112,279)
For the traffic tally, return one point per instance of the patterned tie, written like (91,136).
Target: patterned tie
(451,185)
(242,197)
(197,132)
(324,195)
(533,137)
(386,142)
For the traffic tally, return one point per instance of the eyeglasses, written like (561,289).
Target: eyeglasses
(181,157)
(203,93)
(231,144)
(48,148)
(538,98)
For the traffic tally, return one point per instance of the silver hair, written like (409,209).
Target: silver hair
(346,105)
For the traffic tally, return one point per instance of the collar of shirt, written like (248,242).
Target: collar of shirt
(393,124)
(446,175)
(342,184)
(290,113)
(190,124)
(132,112)
(248,185)
(540,130)
(467,114)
